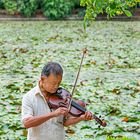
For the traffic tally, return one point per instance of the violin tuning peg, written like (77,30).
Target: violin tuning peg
(99,126)
(100,116)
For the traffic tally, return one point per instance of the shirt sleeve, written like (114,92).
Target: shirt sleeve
(27,108)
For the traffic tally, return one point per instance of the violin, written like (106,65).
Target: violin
(62,98)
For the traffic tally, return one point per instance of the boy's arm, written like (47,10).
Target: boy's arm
(71,121)
(37,120)
(28,118)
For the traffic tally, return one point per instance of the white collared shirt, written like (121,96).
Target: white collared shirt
(34,104)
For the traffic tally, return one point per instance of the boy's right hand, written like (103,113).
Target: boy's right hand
(60,111)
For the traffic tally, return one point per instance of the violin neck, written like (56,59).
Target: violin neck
(77,106)
(83,110)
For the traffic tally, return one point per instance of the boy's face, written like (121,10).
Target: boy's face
(51,83)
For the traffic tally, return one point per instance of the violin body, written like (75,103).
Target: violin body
(62,98)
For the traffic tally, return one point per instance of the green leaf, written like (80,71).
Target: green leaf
(128,13)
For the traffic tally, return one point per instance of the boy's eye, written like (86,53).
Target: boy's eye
(53,83)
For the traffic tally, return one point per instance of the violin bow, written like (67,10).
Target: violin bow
(103,123)
(84,52)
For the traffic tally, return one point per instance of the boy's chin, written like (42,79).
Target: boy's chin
(52,92)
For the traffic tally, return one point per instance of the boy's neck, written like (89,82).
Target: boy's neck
(44,92)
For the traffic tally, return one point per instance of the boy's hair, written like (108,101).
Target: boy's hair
(52,68)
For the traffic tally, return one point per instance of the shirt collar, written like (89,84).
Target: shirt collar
(38,91)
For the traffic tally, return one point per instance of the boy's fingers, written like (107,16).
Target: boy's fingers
(88,115)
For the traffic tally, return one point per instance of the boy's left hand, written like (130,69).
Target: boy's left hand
(87,116)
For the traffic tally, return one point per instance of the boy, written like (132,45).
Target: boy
(42,122)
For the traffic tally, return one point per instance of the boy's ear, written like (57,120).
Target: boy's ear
(43,78)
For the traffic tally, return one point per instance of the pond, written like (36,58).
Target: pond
(109,80)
